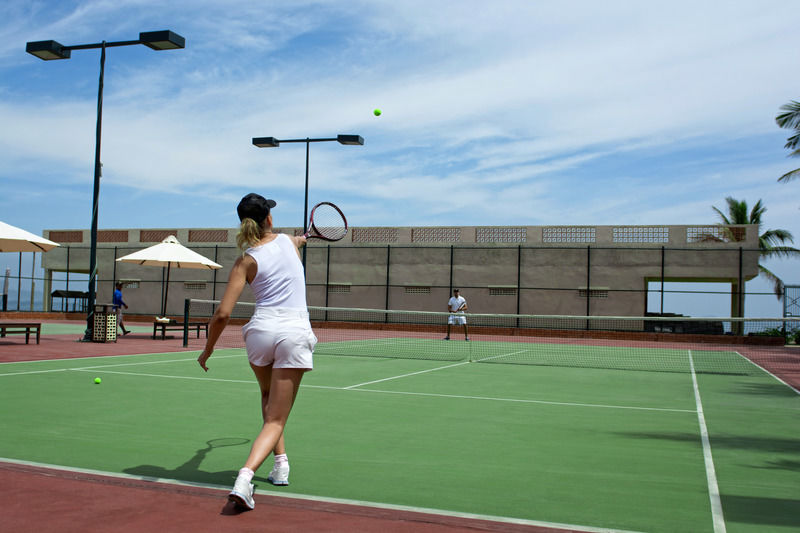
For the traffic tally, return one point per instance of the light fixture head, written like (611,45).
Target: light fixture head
(47,50)
(266,142)
(356,140)
(162,40)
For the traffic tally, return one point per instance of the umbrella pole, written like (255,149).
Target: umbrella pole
(166,293)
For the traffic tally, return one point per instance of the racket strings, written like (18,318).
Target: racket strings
(328,222)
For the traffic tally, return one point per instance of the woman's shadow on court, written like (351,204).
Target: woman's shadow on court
(191,472)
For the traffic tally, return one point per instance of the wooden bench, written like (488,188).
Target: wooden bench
(174,325)
(18,328)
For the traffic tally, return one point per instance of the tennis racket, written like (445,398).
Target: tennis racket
(327,222)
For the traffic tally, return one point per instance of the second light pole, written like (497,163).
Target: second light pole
(272,142)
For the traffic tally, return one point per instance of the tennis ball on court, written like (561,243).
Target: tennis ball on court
(98,381)
(377,112)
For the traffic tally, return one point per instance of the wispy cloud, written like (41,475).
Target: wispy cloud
(494,113)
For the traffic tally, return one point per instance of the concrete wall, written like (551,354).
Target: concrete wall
(569,270)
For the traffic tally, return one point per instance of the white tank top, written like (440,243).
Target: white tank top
(279,281)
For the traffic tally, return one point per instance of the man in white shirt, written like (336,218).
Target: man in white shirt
(456,306)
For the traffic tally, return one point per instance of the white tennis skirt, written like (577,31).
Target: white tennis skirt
(281,337)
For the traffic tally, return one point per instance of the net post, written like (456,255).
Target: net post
(186,307)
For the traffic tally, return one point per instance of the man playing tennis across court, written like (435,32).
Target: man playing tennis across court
(456,306)
(278,337)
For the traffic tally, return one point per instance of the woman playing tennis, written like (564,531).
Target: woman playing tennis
(278,337)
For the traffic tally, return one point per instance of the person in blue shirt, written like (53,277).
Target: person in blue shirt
(118,305)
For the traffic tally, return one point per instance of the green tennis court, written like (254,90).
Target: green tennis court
(700,441)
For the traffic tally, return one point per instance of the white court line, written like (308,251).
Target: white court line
(501,355)
(144,374)
(407,375)
(139,363)
(89,358)
(103,367)
(711,475)
(324,499)
(766,371)
(517,400)
(306,497)
(430,370)
(402,393)
(34,372)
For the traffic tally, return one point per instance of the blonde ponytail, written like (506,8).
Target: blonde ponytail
(249,234)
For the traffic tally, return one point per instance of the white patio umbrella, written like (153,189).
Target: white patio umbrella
(14,239)
(169,253)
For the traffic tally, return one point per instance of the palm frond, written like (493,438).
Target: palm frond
(789,176)
(786,252)
(777,283)
(737,212)
(756,213)
(722,216)
(791,118)
(791,144)
(775,236)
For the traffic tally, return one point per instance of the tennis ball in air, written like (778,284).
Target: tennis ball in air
(377,112)
(98,381)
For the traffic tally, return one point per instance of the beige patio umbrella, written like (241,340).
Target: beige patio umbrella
(169,253)
(14,239)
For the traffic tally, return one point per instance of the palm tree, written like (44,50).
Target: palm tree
(791,120)
(770,243)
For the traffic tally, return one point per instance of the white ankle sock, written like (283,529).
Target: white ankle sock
(281,459)
(247,474)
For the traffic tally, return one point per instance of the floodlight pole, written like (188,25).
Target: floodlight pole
(49,50)
(89,332)
(272,142)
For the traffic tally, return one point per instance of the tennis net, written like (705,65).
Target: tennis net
(667,344)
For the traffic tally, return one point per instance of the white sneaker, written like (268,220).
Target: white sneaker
(279,475)
(242,493)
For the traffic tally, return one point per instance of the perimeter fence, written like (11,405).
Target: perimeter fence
(559,279)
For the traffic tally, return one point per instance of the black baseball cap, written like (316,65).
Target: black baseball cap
(255,206)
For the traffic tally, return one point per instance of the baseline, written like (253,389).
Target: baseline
(135,493)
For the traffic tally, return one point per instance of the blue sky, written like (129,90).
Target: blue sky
(494,113)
